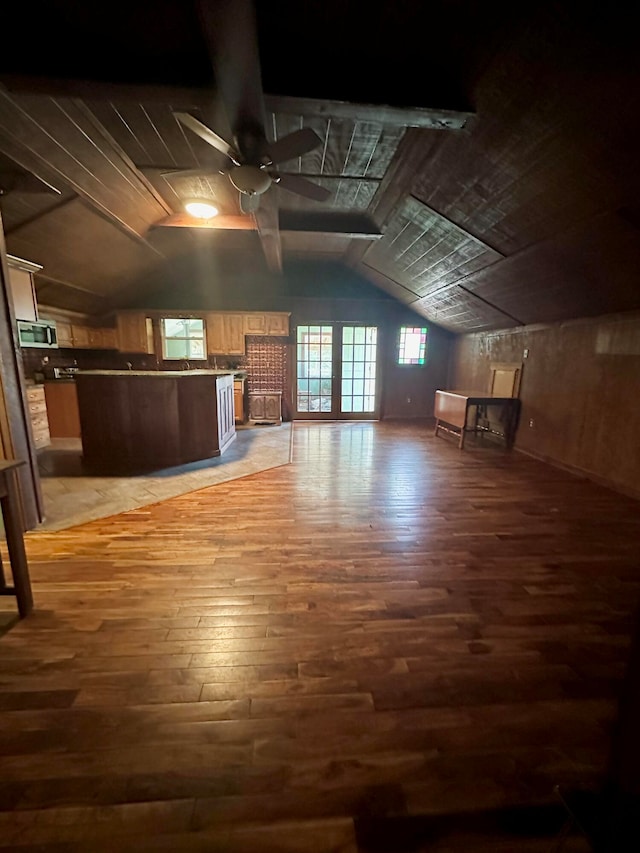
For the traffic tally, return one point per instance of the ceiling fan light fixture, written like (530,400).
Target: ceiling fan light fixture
(250,180)
(200,208)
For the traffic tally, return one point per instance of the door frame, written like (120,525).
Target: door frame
(335,414)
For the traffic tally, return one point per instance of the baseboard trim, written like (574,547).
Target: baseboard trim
(581,472)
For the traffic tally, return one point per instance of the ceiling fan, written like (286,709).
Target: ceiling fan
(253,160)
(237,111)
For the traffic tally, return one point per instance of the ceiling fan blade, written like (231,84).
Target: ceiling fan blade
(231,33)
(301,186)
(293,145)
(249,203)
(208,135)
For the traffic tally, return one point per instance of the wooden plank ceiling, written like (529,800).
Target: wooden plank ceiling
(486,176)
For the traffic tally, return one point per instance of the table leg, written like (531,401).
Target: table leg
(435,432)
(463,428)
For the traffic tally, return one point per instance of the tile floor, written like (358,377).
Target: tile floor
(71,497)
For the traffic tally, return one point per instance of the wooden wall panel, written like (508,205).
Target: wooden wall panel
(589,270)
(579,389)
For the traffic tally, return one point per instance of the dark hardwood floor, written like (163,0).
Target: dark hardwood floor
(388,645)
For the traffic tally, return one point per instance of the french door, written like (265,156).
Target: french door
(336,372)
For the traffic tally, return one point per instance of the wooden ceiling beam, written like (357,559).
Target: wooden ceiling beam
(430,119)
(357,226)
(217,223)
(98,90)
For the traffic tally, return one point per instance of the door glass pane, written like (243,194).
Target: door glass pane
(358,369)
(314,368)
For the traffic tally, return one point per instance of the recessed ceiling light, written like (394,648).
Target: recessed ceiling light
(201,209)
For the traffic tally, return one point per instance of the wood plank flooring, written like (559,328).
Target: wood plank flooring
(387,645)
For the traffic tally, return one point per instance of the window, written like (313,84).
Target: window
(183,338)
(412,346)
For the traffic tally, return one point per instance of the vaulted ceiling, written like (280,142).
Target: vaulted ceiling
(482,164)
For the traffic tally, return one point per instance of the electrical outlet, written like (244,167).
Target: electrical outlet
(525,354)
(531,422)
(408,399)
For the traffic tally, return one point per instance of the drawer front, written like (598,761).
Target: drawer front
(37,408)
(35,393)
(40,422)
(41,439)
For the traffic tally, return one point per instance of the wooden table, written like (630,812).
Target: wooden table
(452,410)
(12,520)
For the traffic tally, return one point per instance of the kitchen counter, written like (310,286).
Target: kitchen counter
(145,420)
(162,374)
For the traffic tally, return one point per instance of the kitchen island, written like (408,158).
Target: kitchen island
(144,420)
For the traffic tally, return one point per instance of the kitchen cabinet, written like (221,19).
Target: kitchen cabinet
(225,333)
(80,336)
(23,291)
(65,334)
(266,323)
(277,323)
(75,335)
(62,408)
(238,399)
(265,407)
(134,332)
(255,323)
(37,405)
(103,338)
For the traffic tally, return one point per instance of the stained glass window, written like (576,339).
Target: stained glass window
(412,347)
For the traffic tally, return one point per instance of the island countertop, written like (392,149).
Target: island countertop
(167,374)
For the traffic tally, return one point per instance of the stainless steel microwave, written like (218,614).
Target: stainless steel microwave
(39,334)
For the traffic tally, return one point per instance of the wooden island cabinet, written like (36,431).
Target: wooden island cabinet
(141,420)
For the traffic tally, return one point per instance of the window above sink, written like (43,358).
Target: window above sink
(183,338)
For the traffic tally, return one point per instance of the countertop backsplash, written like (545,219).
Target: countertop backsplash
(92,359)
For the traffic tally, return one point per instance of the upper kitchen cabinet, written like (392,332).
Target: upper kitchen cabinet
(22,288)
(80,336)
(266,323)
(103,338)
(277,323)
(65,334)
(225,333)
(255,323)
(135,332)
